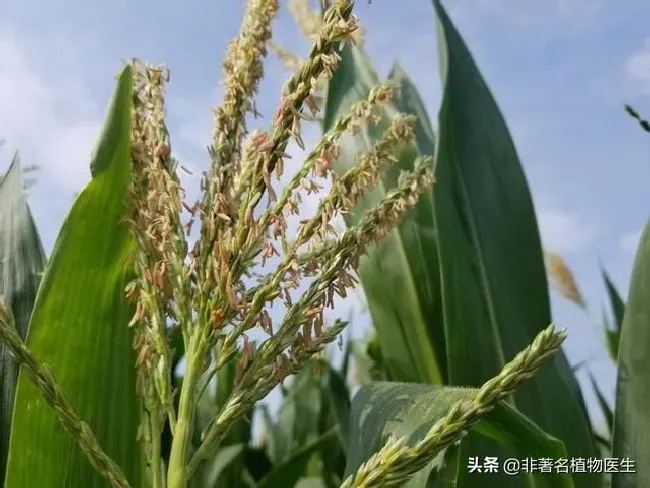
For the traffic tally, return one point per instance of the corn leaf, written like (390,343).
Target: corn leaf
(21,262)
(607,411)
(632,418)
(335,401)
(299,416)
(407,316)
(617,306)
(227,467)
(291,469)
(334,414)
(214,472)
(409,410)
(310,483)
(79,327)
(616,303)
(645,125)
(494,292)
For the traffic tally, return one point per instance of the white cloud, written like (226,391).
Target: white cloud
(637,66)
(563,231)
(630,241)
(49,119)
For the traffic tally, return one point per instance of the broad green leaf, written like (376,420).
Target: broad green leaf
(79,327)
(410,410)
(495,293)
(409,101)
(632,419)
(294,467)
(21,262)
(404,317)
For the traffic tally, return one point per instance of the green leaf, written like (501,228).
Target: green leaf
(177,347)
(616,302)
(240,432)
(377,369)
(226,380)
(604,444)
(495,293)
(258,464)
(310,483)
(612,339)
(404,317)
(579,365)
(222,460)
(315,403)
(227,466)
(79,327)
(335,401)
(446,478)
(22,260)
(617,305)
(348,358)
(602,403)
(300,412)
(410,410)
(632,419)
(294,467)
(645,125)
(362,364)
(334,414)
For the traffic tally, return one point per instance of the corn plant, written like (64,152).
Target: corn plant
(468,255)
(469,258)
(122,280)
(126,294)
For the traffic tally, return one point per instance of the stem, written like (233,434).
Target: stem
(177,474)
(171,414)
(156,468)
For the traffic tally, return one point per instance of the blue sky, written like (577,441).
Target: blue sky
(560,70)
